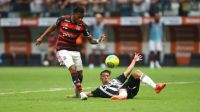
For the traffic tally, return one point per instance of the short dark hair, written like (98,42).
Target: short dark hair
(78,9)
(105,71)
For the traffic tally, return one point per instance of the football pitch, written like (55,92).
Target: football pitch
(43,89)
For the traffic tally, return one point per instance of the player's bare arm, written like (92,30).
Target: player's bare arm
(48,31)
(94,41)
(136,58)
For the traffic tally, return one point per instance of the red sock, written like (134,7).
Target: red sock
(79,87)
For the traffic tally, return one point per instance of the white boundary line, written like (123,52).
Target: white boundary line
(64,89)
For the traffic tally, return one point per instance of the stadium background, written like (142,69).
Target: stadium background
(39,88)
(125,27)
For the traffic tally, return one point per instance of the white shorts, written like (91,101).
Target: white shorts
(69,58)
(155,46)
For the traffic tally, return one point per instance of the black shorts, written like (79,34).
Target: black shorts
(132,86)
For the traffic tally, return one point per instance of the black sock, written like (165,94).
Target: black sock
(76,81)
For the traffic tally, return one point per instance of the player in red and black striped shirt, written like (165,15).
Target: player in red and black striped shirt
(69,29)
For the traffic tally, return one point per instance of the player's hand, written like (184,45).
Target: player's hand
(102,38)
(38,41)
(137,57)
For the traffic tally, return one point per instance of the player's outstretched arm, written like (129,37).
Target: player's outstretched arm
(94,41)
(136,58)
(48,31)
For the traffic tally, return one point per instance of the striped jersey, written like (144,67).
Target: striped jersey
(68,32)
(110,89)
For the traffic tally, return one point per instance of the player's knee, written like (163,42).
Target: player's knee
(72,69)
(137,74)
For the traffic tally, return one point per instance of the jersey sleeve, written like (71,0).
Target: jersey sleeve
(86,31)
(121,78)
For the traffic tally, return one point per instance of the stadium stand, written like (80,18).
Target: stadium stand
(195,60)
(55,8)
(124,59)
(169,60)
(34,60)
(7,59)
(96,60)
(20,60)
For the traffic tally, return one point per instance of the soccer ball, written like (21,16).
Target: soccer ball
(112,61)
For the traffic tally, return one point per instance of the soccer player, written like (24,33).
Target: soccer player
(69,28)
(98,29)
(155,41)
(120,89)
(51,51)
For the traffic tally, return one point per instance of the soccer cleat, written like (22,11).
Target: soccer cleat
(83,96)
(117,97)
(159,87)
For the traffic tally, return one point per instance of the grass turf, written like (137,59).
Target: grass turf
(42,89)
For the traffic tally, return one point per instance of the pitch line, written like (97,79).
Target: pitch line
(86,88)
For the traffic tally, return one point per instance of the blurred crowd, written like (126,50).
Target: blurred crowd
(109,8)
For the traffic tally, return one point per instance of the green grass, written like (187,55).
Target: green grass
(28,90)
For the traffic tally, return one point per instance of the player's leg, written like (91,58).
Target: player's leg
(50,55)
(158,53)
(147,80)
(151,59)
(129,89)
(102,48)
(75,89)
(102,58)
(152,54)
(80,75)
(157,59)
(79,65)
(65,58)
(79,68)
(92,56)
(75,77)
(133,85)
(122,95)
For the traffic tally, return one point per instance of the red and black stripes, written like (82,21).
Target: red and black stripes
(69,32)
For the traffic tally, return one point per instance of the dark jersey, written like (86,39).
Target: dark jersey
(68,32)
(110,89)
